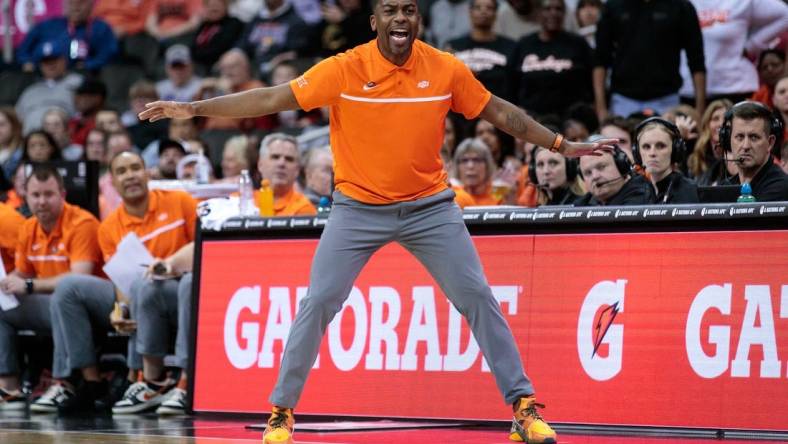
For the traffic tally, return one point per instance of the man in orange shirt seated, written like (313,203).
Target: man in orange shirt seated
(10,223)
(59,239)
(279,163)
(165,222)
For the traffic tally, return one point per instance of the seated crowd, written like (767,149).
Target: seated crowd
(680,126)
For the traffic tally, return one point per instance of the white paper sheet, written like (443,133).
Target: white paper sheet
(128,263)
(7,301)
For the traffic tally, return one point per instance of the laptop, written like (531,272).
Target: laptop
(719,194)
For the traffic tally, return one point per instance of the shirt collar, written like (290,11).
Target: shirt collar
(384,65)
(153,208)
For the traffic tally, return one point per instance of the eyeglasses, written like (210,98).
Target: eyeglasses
(470,160)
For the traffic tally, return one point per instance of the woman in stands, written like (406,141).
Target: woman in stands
(40,146)
(10,142)
(705,163)
(473,166)
(555,177)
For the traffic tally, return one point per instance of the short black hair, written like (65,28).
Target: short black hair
(43,172)
(750,111)
(116,155)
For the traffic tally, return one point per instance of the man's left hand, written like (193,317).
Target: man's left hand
(597,148)
(13,285)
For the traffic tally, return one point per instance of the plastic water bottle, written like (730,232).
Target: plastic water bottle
(246,195)
(746,194)
(202,173)
(323,206)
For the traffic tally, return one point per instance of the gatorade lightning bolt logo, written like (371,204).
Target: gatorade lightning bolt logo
(603,323)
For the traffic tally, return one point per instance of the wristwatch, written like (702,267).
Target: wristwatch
(29,286)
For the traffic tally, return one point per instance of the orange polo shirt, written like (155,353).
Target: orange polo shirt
(10,224)
(168,224)
(291,204)
(386,125)
(462,198)
(73,239)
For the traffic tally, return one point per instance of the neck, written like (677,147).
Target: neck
(137,208)
(546,36)
(477,190)
(658,177)
(398,60)
(482,34)
(47,226)
(749,174)
(281,191)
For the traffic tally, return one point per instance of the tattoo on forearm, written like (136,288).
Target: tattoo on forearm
(516,124)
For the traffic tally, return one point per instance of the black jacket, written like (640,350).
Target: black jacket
(637,191)
(677,189)
(562,196)
(642,41)
(769,185)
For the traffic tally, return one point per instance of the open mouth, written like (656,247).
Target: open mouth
(399,35)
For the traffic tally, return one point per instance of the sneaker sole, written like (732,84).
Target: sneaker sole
(13,406)
(139,408)
(36,408)
(164,410)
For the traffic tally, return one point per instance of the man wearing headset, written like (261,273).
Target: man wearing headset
(610,180)
(747,135)
(658,149)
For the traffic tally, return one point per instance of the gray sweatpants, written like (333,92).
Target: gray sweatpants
(31,314)
(161,307)
(80,305)
(432,229)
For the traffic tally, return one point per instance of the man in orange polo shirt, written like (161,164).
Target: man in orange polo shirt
(388,101)
(10,223)
(58,240)
(280,162)
(165,222)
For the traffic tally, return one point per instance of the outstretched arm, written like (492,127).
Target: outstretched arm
(516,122)
(252,103)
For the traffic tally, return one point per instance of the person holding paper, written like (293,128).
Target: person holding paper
(60,239)
(165,222)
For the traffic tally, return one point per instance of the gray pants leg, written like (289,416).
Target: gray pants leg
(432,229)
(155,308)
(80,304)
(33,314)
(184,321)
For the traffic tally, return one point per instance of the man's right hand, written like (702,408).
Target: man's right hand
(122,324)
(167,110)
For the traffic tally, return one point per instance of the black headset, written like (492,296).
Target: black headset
(620,159)
(775,124)
(570,165)
(678,148)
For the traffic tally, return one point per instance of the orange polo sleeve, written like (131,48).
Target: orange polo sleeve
(320,86)
(84,243)
(468,95)
(21,264)
(107,243)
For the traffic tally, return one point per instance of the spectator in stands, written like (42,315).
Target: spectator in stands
(169,20)
(279,163)
(611,180)
(278,33)
(181,84)
(784,157)
(89,98)
(771,66)
(145,132)
(179,130)
(448,21)
(55,89)
(10,224)
(217,34)
(751,135)
(235,158)
(553,66)
(108,120)
(90,41)
(780,101)
(170,153)
(705,163)
(235,76)
(517,18)
(732,29)
(575,130)
(587,14)
(555,177)
(10,142)
(641,42)
(85,303)
(125,17)
(318,174)
(450,140)
(283,73)
(347,25)
(55,122)
(58,240)
(660,150)
(40,146)
(16,196)
(617,127)
(484,52)
(496,141)
(473,166)
(96,148)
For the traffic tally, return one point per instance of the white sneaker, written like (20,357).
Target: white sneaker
(12,401)
(175,403)
(140,397)
(55,396)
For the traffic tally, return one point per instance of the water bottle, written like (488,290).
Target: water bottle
(323,206)
(246,195)
(202,169)
(746,194)
(265,199)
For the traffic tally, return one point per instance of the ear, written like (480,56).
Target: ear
(772,139)
(373,23)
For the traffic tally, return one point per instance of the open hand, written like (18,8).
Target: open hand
(166,110)
(597,148)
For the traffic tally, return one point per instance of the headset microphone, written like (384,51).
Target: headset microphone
(607,182)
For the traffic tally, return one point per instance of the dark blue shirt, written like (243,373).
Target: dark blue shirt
(93,43)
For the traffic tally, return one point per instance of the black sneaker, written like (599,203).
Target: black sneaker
(84,400)
(12,401)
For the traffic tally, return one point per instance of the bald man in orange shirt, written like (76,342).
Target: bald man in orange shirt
(388,101)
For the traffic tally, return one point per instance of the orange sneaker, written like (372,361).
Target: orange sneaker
(528,426)
(281,425)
